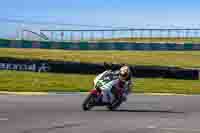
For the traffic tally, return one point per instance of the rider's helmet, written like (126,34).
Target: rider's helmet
(124,73)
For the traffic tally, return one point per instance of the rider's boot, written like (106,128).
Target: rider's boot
(105,99)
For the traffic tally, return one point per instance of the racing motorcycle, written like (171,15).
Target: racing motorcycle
(95,96)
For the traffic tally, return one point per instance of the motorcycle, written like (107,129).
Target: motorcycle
(95,96)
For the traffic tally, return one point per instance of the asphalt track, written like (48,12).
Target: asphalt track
(63,114)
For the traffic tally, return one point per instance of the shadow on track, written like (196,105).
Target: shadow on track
(156,111)
(140,111)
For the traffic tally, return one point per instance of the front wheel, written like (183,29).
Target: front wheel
(89,102)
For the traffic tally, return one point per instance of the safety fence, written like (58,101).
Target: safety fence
(94,68)
(36,30)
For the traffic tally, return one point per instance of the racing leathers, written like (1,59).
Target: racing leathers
(108,82)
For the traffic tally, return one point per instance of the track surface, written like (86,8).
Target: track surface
(63,114)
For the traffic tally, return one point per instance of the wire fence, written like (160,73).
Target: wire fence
(68,32)
(125,35)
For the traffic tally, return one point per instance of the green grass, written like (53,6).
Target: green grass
(33,82)
(48,82)
(45,82)
(187,59)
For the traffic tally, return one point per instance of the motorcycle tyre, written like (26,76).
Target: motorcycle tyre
(114,105)
(85,105)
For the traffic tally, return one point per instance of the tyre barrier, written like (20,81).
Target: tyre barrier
(95,68)
(5,43)
(159,71)
(166,72)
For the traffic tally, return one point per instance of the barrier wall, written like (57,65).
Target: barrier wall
(92,68)
(96,46)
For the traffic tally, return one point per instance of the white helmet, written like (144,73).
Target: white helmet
(124,73)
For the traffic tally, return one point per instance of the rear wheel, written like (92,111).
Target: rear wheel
(89,102)
(116,103)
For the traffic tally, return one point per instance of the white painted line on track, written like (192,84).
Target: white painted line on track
(86,93)
(175,129)
(152,127)
(3,119)
(181,129)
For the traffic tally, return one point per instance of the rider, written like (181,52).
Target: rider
(125,82)
(116,80)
